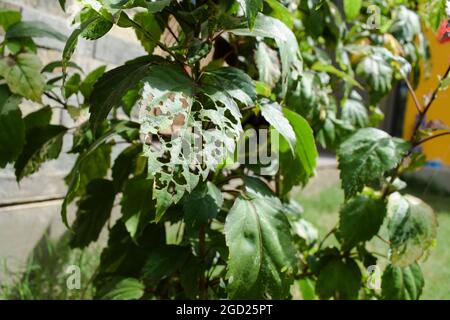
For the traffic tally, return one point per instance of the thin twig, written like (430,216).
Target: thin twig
(382,239)
(431,138)
(56,99)
(414,96)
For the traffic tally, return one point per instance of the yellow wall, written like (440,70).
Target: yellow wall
(438,149)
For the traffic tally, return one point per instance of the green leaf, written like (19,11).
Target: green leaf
(72,41)
(123,289)
(94,166)
(74,178)
(406,25)
(360,220)
(62,4)
(167,107)
(125,164)
(42,144)
(377,73)
(252,7)
(298,168)
(39,118)
(307,290)
(412,228)
(268,64)
(117,4)
(352,8)
(339,279)
(9,17)
(402,283)
(262,256)
(154,6)
(355,112)
(280,12)
(235,82)
(291,60)
(138,206)
(94,210)
(112,86)
(164,261)
(202,204)
(323,67)
(34,29)
(366,156)
(152,29)
(72,86)
(87,86)
(97,28)
(125,257)
(23,75)
(272,112)
(12,128)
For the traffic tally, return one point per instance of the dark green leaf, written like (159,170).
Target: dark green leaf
(262,256)
(360,219)
(125,257)
(402,283)
(339,279)
(12,128)
(94,210)
(125,164)
(42,144)
(202,204)
(39,118)
(87,85)
(164,261)
(138,206)
(112,86)
(123,289)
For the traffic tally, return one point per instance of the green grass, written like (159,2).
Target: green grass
(45,277)
(322,210)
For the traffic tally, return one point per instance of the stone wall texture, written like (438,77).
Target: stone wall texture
(29,209)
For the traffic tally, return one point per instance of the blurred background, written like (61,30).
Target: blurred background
(34,251)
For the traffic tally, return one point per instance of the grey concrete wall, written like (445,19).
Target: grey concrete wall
(30,208)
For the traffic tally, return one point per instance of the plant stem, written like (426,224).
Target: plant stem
(432,138)
(203,284)
(423,113)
